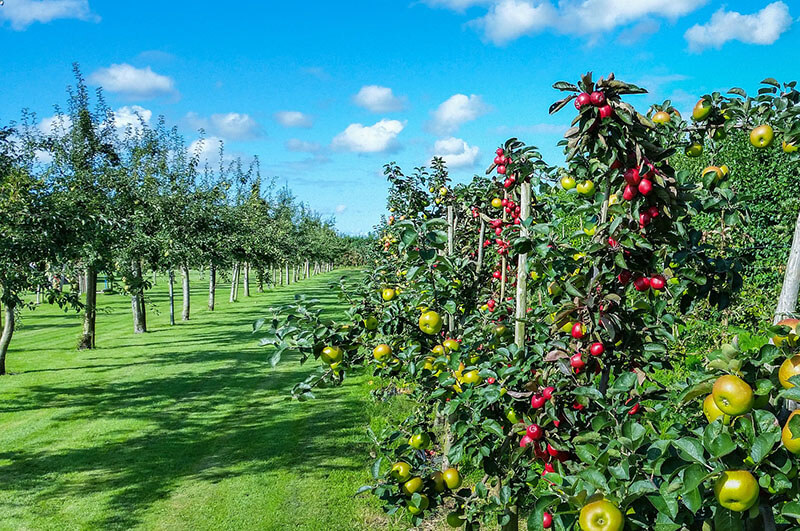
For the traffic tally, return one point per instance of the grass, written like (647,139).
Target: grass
(184,427)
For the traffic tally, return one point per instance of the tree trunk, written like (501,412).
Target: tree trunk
(260,279)
(212,287)
(247,279)
(137,299)
(5,339)
(143,310)
(288,280)
(234,282)
(88,339)
(172,297)
(787,302)
(186,301)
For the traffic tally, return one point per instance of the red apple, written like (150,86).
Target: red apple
(653,211)
(606,111)
(547,392)
(645,187)
(657,282)
(500,151)
(632,176)
(644,219)
(535,432)
(501,169)
(537,401)
(629,193)
(578,330)
(525,441)
(624,277)
(597,98)
(597,349)
(641,283)
(582,99)
(576,361)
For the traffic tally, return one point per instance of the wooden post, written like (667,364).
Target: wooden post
(787,302)
(451,242)
(522,274)
(481,239)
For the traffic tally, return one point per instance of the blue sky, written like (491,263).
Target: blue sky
(327,93)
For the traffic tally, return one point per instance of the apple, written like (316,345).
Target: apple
(535,432)
(711,411)
(371,323)
(430,323)
(419,441)
(548,469)
(732,395)
(736,490)
(582,99)
(597,349)
(694,150)
(454,520)
(451,478)
(585,188)
(790,339)
(790,443)
(423,504)
(525,441)
(578,330)
(537,401)
(400,471)
(597,98)
(331,355)
(645,187)
(701,110)
(471,377)
(762,136)
(789,147)
(606,111)
(644,219)
(567,182)
(632,176)
(438,482)
(601,515)
(388,294)
(576,361)
(497,202)
(657,282)
(624,277)
(547,392)
(500,152)
(661,117)
(653,211)
(381,352)
(413,485)
(451,345)
(547,520)
(629,193)
(790,367)
(641,283)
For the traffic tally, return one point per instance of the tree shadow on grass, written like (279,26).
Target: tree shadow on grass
(217,414)
(205,427)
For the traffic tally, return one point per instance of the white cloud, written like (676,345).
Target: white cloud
(207,149)
(378,99)
(294,119)
(458,109)
(132,117)
(764,27)
(507,20)
(132,82)
(23,13)
(511,19)
(455,5)
(377,138)
(301,146)
(455,152)
(340,208)
(231,126)
(57,124)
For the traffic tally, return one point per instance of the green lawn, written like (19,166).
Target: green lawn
(184,427)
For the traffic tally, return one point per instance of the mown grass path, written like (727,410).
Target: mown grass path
(184,427)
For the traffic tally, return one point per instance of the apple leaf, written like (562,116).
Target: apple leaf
(738,92)
(763,445)
(771,81)
(557,106)
(727,520)
(565,86)
(791,510)
(691,447)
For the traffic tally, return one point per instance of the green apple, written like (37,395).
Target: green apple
(762,136)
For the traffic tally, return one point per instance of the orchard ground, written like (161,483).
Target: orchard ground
(184,427)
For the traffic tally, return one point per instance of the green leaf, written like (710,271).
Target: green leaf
(763,445)
(595,478)
(493,426)
(376,468)
(691,447)
(727,520)
(791,510)
(717,440)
